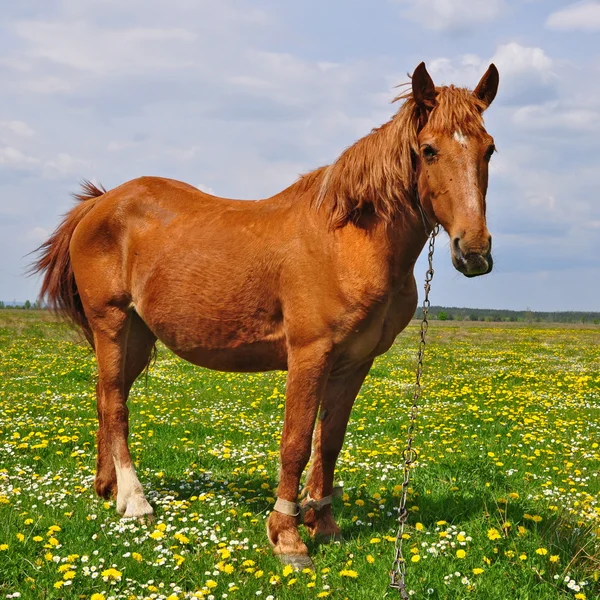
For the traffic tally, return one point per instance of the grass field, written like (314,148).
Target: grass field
(505,502)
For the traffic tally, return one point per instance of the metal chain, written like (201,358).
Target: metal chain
(409,455)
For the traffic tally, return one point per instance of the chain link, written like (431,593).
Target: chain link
(409,455)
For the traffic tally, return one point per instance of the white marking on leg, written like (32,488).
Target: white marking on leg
(461,138)
(131,501)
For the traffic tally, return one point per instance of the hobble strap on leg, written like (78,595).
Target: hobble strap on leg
(285,507)
(319,504)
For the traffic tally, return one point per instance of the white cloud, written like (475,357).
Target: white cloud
(206,189)
(36,235)
(64,164)
(455,16)
(526,73)
(553,116)
(15,158)
(16,127)
(98,50)
(515,59)
(581,16)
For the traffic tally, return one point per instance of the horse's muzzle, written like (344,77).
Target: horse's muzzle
(472,264)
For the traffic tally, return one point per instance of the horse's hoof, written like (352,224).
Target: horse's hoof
(298,561)
(328,538)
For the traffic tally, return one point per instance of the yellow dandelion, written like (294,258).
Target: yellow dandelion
(348,573)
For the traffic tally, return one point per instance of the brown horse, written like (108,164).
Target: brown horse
(317,280)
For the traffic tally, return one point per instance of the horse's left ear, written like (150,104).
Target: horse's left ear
(488,86)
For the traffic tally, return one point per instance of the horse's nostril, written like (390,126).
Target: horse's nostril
(456,243)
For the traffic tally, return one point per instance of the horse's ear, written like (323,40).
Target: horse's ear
(488,86)
(423,88)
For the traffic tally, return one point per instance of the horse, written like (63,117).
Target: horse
(316,280)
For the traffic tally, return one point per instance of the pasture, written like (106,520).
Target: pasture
(505,502)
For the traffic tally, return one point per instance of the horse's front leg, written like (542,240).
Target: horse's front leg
(308,369)
(338,399)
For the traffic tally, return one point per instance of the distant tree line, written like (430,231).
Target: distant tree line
(452,313)
(27,305)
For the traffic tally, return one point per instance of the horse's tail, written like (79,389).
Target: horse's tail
(59,289)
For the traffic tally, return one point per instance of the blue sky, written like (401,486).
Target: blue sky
(240,97)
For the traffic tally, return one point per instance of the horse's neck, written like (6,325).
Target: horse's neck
(407,238)
(383,254)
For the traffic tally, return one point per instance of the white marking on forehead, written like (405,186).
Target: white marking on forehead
(460,137)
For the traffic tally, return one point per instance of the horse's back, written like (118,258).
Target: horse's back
(202,272)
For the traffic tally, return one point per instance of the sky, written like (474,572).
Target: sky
(238,98)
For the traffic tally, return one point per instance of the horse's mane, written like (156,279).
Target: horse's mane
(377,172)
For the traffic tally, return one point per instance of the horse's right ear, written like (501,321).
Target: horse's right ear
(423,89)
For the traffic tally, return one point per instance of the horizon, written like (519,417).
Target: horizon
(239,98)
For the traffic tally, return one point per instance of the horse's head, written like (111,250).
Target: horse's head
(454,150)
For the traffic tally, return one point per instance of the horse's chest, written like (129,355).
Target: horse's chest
(366,336)
(376,334)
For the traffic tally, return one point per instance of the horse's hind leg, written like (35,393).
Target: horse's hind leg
(111,328)
(338,399)
(140,342)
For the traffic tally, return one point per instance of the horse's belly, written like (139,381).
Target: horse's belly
(220,338)
(261,356)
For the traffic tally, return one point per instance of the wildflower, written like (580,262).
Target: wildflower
(20,537)
(460,554)
(211,584)
(523,556)
(415,558)
(554,558)
(494,534)
(136,556)
(348,573)
(323,594)
(182,538)
(111,575)
(98,597)
(370,559)
(3,547)
(288,570)
(477,571)
(541,551)
(375,540)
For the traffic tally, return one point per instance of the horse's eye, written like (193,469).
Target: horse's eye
(429,152)
(488,153)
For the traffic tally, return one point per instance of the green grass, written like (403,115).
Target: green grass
(508,473)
